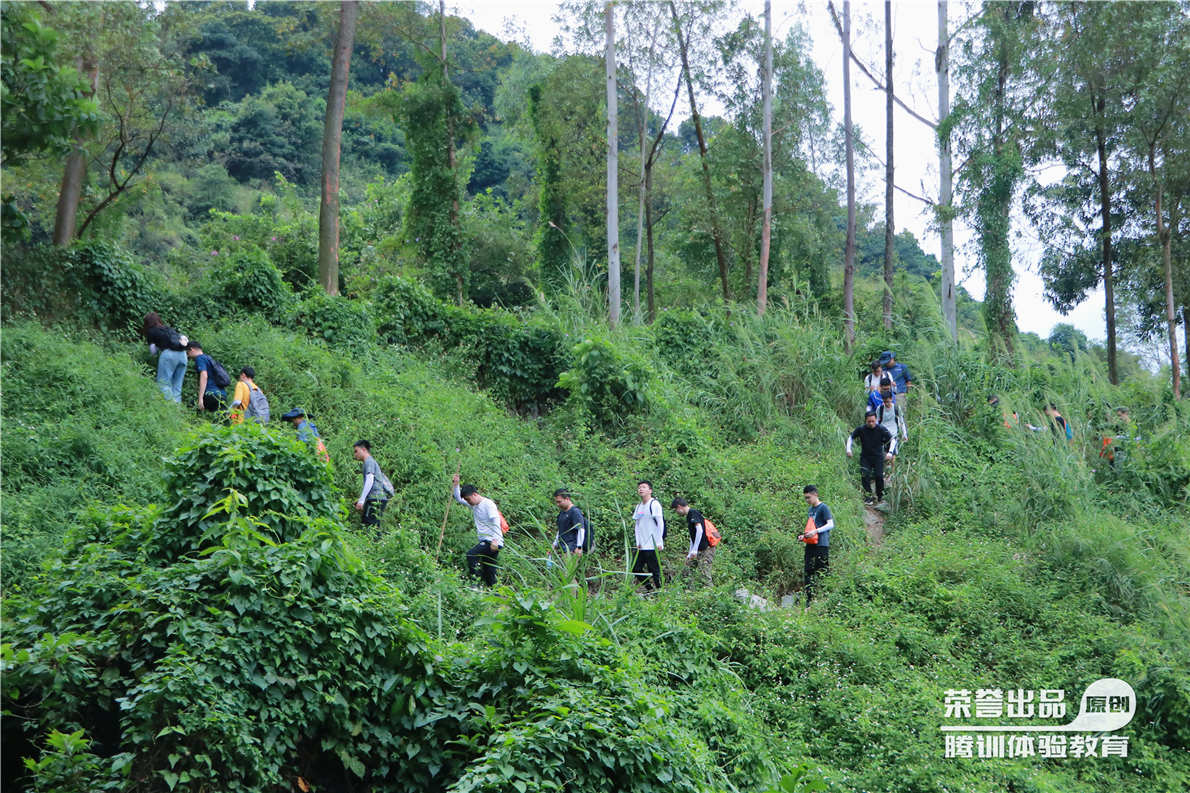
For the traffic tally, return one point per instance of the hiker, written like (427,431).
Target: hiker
(817,538)
(701,551)
(481,560)
(307,432)
(889,416)
(170,348)
(649,522)
(572,526)
(872,437)
(249,401)
(377,489)
(900,374)
(1058,423)
(877,383)
(211,395)
(994,401)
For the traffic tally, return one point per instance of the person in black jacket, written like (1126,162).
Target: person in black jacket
(572,526)
(701,552)
(170,348)
(872,437)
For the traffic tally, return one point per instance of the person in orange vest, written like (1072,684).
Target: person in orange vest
(817,537)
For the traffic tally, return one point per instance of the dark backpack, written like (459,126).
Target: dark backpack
(219,376)
(177,341)
(588,535)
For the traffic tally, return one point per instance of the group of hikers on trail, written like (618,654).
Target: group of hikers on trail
(878,439)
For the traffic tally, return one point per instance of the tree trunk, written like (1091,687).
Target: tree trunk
(944,209)
(450,150)
(74,174)
(1165,239)
(643,129)
(332,133)
(652,300)
(762,287)
(716,233)
(889,249)
(613,196)
(849,246)
(1105,211)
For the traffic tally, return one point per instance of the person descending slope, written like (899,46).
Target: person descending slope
(481,559)
(872,437)
(649,522)
(377,489)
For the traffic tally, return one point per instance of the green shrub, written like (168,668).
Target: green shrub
(609,384)
(407,313)
(247,469)
(92,283)
(247,280)
(337,321)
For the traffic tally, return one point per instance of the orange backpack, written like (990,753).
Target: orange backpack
(713,535)
(811,532)
(503,522)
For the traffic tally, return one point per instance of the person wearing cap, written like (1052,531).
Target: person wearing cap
(872,437)
(377,489)
(249,401)
(210,396)
(902,377)
(306,431)
(481,559)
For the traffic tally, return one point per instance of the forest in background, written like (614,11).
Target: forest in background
(190,606)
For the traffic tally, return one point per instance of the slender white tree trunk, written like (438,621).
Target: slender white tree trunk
(332,133)
(849,247)
(762,289)
(945,211)
(613,203)
(889,231)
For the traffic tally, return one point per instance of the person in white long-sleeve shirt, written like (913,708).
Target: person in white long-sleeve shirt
(377,490)
(649,521)
(481,560)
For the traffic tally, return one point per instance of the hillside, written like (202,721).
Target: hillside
(1010,559)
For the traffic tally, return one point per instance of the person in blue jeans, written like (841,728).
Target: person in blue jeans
(210,396)
(170,348)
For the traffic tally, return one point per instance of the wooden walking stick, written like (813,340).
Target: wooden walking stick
(449,500)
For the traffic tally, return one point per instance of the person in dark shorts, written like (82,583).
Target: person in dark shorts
(377,489)
(872,437)
(817,539)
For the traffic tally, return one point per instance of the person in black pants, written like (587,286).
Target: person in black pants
(817,539)
(872,437)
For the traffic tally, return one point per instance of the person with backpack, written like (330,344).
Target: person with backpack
(817,537)
(248,401)
(307,432)
(703,539)
(649,523)
(574,533)
(170,348)
(872,438)
(1057,423)
(212,379)
(877,384)
(899,372)
(377,489)
(889,416)
(482,559)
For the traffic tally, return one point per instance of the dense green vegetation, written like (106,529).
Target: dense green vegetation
(190,606)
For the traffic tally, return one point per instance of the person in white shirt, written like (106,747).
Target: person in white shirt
(481,560)
(649,521)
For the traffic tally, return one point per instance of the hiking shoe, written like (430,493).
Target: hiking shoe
(869,500)
(881,504)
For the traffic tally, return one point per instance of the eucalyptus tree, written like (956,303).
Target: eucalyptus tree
(328,214)
(991,118)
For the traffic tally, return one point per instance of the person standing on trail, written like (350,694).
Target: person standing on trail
(902,377)
(872,437)
(701,551)
(878,383)
(649,522)
(377,489)
(170,348)
(889,416)
(212,396)
(249,401)
(572,526)
(817,538)
(481,559)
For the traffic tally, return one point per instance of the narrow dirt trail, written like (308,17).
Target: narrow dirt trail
(874,525)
